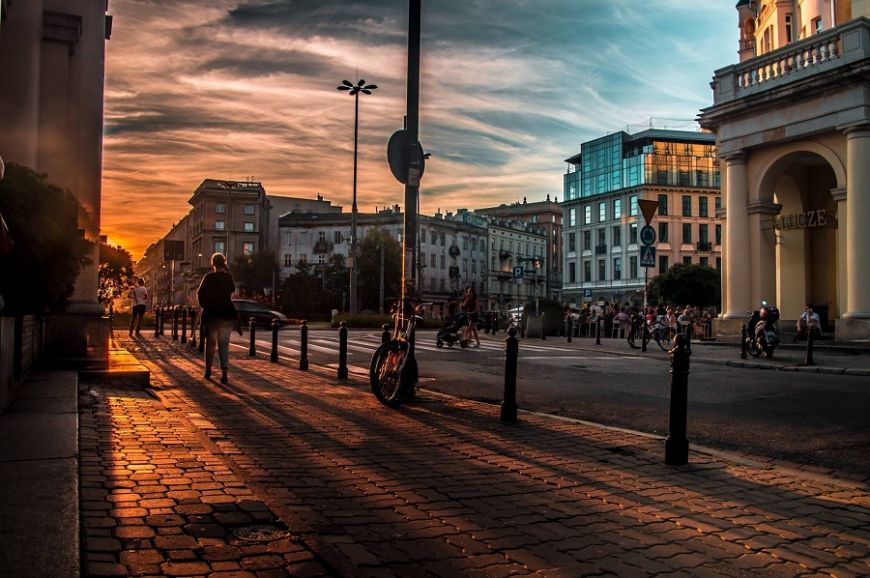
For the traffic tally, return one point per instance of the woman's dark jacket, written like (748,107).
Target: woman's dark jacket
(215,298)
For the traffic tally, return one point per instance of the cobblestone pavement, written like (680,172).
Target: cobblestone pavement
(438,488)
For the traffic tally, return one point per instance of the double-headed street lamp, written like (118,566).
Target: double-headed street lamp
(354,89)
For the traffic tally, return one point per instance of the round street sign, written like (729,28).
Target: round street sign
(398,155)
(647,235)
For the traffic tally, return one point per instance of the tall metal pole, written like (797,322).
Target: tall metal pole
(381,289)
(409,240)
(353,265)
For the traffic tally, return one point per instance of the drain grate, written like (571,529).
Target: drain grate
(260,533)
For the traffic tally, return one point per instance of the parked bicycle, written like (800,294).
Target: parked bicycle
(393,371)
(635,331)
(662,333)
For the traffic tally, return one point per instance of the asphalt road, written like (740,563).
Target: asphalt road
(814,419)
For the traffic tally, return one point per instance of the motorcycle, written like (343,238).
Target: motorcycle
(761,334)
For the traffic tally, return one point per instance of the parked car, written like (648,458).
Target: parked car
(262,314)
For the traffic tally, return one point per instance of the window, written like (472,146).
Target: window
(587,271)
(220,247)
(572,242)
(601,270)
(220,208)
(336,236)
(249,227)
(286,238)
(247,249)
(432,262)
(443,262)
(617,268)
(817,24)
(632,205)
(601,239)
(687,260)
(288,260)
(587,214)
(617,236)
(572,217)
(249,209)
(702,206)
(687,233)
(632,267)
(718,234)
(617,208)
(587,240)
(464,243)
(788,28)
(602,212)
(441,242)
(220,226)
(702,233)
(718,204)
(663,205)
(572,272)
(687,206)
(705,262)
(433,237)
(483,245)
(663,232)
(663,264)
(632,234)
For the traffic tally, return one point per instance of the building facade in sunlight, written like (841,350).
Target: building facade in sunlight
(547,216)
(601,219)
(792,121)
(52,70)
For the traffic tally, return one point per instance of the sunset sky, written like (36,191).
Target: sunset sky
(234,89)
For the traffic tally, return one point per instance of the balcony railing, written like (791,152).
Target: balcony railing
(823,52)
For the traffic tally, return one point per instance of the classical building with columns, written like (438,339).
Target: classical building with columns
(792,121)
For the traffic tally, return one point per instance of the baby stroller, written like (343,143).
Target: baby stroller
(450,332)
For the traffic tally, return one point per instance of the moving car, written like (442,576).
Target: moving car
(261,313)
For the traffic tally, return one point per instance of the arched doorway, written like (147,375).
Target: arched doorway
(801,243)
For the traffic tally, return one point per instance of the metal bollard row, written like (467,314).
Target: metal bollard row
(303,347)
(252,346)
(676,444)
(273,355)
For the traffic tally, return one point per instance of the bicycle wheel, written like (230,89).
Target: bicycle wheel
(393,374)
(665,338)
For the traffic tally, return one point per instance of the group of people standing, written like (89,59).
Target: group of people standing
(614,314)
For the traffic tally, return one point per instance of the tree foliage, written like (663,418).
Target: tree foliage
(312,292)
(116,273)
(255,273)
(687,284)
(40,272)
(369,262)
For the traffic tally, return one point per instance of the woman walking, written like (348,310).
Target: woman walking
(471,307)
(218,313)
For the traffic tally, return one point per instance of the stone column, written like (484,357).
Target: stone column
(839,197)
(857,230)
(737,281)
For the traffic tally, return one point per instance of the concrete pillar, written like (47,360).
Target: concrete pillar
(20,53)
(839,197)
(737,299)
(762,252)
(857,231)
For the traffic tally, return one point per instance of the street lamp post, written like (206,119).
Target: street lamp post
(354,90)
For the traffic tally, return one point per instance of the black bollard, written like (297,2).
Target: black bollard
(543,333)
(252,329)
(162,320)
(512,350)
(175,323)
(809,358)
(273,357)
(184,324)
(598,332)
(743,337)
(643,335)
(157,321)
(342,351)
(385,333)
(303,346)
(570,323)
(676,444)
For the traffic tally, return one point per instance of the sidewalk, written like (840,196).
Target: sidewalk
(789,357)
(439,488)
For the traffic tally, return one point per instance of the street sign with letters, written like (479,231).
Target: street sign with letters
(647,256)
(518,272)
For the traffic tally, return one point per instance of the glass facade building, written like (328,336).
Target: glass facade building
(652,157)
(677,169)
